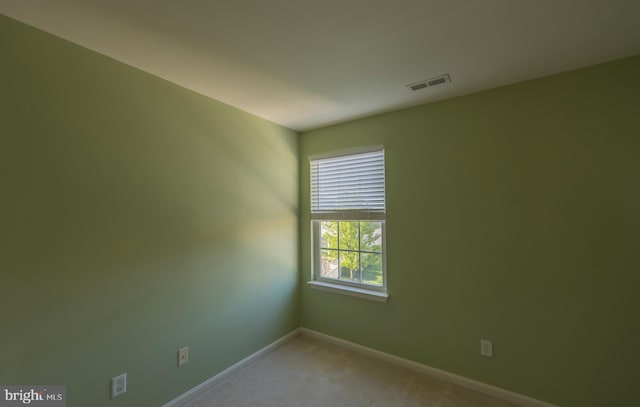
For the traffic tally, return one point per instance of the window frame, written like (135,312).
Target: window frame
(358,289)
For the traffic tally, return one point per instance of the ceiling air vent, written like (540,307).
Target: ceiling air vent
(427,83)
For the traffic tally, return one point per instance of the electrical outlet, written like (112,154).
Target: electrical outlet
(183,355)
(486,348)
(118,385)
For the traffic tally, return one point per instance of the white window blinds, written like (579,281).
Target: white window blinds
(348,186)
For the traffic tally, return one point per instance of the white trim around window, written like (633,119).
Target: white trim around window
(348,214)
(351,291)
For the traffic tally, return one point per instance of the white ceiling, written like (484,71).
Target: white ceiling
(308,63)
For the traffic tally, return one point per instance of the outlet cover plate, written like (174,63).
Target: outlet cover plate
(118,385)
(183,355)
(486,348)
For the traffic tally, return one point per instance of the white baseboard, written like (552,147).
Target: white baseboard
(190,394)
(488,389)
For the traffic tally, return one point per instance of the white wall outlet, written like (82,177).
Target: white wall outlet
(183,355)
(486,348)
(118,385)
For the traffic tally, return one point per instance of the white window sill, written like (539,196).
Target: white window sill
(352,291)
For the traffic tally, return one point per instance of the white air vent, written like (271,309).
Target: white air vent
(427,83)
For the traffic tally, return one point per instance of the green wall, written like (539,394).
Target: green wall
(512,215)
(136,217)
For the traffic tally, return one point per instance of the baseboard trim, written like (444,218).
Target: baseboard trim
(188,395)
(513,397)
(488,389)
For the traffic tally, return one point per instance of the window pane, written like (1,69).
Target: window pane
(351,251)
(329,264)
(349,235)
(371,235)
(349,266)
(372,269)
(329,234)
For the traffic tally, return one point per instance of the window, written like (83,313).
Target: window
(348,223)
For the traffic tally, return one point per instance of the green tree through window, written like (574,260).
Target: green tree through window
(352,251)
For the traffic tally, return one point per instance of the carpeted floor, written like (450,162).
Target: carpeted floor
(308,372)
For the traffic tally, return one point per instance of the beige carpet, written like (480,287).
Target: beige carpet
(308,372)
